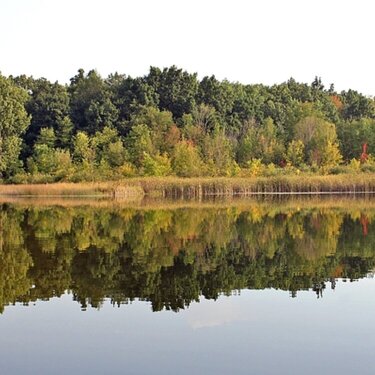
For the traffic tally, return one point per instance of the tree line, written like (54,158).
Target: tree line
(171,123)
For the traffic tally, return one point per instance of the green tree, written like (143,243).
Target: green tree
(205,117)
(259,142)
(247,147)
(159,165)
(295,153)
(108,147)
(13,124)
(161,127)
(218,95)
(64,132)
(218,154)
(46,137)
(43,160)
(54,163)
(84,157)
(186,161)
(48,106)
(270,147)
(353,134)
(64,168)
(129,95)
(82,150)
(357,106)
(176,89)
(91,102)
(320,141)
(139,143)
(330,156)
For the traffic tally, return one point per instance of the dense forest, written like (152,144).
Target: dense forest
(171,257)
(171,123)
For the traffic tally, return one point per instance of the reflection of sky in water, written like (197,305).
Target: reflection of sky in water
(170,257)
(257,332)
(209,314)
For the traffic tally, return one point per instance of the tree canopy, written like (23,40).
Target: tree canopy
(114,127)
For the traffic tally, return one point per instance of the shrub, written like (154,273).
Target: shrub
(255,167)
(354,166)
(127,170)
(186,161)
(159,165)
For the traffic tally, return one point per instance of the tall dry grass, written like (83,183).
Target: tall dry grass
(174,187)
(98,189)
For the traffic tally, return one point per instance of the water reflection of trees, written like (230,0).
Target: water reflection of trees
(171,257)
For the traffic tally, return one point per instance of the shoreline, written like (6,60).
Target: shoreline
(174,187)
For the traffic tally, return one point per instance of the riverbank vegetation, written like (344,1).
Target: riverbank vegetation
(170,123)
(199,187)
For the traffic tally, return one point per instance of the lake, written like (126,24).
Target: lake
(241,286)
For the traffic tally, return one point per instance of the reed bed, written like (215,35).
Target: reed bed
(67,189)
(174,187)
(171,187)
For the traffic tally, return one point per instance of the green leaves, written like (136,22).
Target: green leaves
(176,89)
(113,122)
(186,160)
(14,121)
(320,141)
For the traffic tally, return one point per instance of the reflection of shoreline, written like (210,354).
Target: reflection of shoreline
(172,254)
(343,201)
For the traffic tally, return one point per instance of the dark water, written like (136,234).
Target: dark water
(250,287)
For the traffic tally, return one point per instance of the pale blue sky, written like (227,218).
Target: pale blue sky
(251,41)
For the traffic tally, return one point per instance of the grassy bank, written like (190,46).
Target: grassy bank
(70,189)
(173,187)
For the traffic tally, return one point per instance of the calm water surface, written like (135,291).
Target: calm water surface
(247,287)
